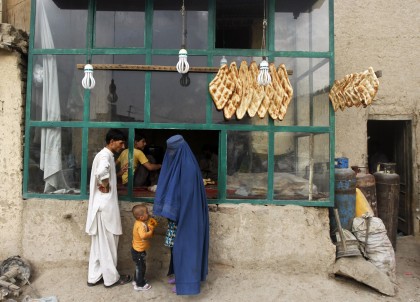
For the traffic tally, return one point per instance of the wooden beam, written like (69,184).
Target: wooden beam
(153,68)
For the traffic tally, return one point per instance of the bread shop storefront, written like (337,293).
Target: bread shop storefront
(244,82)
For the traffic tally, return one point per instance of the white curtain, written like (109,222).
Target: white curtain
(50,160)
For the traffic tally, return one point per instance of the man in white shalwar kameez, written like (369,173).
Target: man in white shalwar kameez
(103,222)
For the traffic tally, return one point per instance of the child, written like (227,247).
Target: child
(142,231)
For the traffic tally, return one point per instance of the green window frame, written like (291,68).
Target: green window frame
(271,128)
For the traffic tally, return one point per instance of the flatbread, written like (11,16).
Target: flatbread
(258,94)
(288,90)
(233,103)
(221,87)
(248,90)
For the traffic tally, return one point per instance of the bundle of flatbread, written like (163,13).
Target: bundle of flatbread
(354,90)
(238,93)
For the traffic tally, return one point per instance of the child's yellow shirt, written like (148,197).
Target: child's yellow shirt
(141,234)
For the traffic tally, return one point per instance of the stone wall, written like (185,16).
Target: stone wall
(288,239)
(18,13)
(384,35)
(12,96)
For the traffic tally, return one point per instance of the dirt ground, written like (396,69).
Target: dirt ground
(229,284)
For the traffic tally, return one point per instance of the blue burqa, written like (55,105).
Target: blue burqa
(181,197)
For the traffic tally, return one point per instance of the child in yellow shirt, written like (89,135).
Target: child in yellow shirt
(142,230)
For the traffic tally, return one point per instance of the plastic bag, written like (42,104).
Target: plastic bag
(377,248)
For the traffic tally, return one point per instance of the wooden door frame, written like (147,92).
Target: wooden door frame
(415,200)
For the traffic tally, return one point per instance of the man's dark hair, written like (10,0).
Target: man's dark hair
(114,134)
(138,136)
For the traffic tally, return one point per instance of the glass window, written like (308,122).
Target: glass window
(60,24)
(120,23)
(118,94)
(57,94)
(246,161)
(167,24)
(299,160)
(54,160)
(151,143)
(301,25)
(310,82)
(171,101)
(258,160)
(239,24)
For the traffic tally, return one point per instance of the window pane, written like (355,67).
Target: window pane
(301,25)
(55,18)
(170,102)
(246,165)
(118,94)
(167,24)
(54,160)
(300,158)
(57,92)
(97,143)
(204,145)
(239,24)
(310,82)
(120,23)
(219,115)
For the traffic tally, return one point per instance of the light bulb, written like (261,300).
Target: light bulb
(223,61)
(264,77)
(88,81)
(183,65)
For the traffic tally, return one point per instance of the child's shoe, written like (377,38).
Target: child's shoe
(145,287)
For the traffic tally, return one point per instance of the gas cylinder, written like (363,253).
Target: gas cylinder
(387,194)
(345,194)
(365,182)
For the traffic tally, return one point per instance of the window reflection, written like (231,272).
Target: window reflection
(118,94)
(301,25)
(53,21)
(54,160)
(120,23)
(57,93)
(239,24)
(170,101)
(246,165)
(301,159)
(167,24)
(310,82)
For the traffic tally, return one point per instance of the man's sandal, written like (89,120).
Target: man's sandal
(124,279)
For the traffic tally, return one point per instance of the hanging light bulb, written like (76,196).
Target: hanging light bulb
(88,81)
(182,66)
(264,77)
(223,61)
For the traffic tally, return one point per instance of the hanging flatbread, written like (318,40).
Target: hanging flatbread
(276,107)
(233,103)
(354,90)
(287,87)
(221,87)
(248,90)
(258,95)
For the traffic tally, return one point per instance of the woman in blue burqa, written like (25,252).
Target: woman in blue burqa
(180,197)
